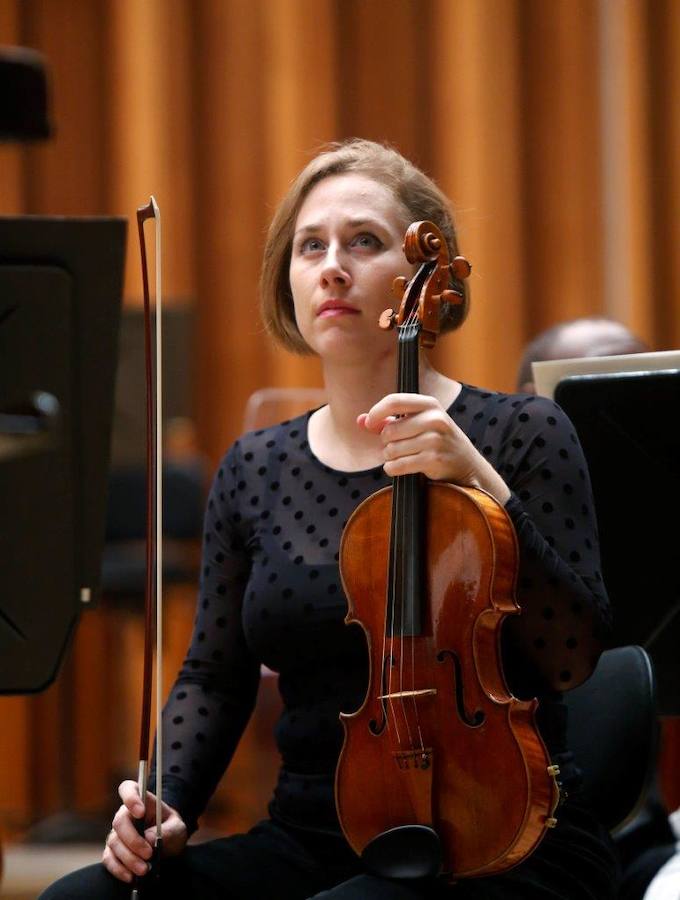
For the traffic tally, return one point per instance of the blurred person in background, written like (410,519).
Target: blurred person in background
(590,336)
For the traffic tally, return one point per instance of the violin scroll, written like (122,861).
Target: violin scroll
(422,297)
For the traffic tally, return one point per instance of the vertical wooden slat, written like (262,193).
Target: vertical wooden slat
(229,225)
(95,711)
(561,146)
(662,297)
(15,737)
(150,132)
(669,762)
(383,73)
(14,711)
(12,198)
(259,138)
(477,152)
(300,115)
(65,174)
(626,163)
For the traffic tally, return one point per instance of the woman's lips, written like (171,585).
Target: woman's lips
(333,308)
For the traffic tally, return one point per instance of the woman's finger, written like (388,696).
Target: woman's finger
(116,868)
(124,828)
(429,420)
(399,405)
(429,441)
(128,791)
(131,861)
(120,860)
(405,465)
(376,425)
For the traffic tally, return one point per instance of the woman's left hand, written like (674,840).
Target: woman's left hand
(418,435)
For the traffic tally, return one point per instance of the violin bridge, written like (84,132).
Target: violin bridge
(399,695)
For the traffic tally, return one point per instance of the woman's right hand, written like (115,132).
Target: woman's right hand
(127,853)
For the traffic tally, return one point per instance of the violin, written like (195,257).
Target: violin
(442,770)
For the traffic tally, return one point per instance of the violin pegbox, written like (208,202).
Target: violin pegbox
(425,245)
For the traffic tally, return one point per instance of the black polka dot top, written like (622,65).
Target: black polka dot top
(270,592)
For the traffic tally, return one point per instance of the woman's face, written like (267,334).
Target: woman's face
(347,251)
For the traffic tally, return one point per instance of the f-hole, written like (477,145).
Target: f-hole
(378,727)
(475,720)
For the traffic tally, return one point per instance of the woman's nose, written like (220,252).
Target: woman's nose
(333,270)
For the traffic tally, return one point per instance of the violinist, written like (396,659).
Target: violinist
(271,591)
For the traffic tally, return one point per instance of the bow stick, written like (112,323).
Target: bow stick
(153,606)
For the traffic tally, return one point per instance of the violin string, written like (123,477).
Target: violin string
(407,587)
(406,550)
(405,355)
(417,538)
(388,632)
(397,568)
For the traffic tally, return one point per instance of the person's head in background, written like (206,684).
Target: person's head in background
(592,336)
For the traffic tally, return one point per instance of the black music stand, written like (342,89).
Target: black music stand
(60,291)
(628,424)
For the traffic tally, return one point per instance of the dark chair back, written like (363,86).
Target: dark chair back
(613,732)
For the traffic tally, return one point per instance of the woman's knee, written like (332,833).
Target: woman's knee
(86,884)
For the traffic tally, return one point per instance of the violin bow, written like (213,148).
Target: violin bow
(153,606)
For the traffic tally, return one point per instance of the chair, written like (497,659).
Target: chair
(271,405)
(124,559)
(613,732)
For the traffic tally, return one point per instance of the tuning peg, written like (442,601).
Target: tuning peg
(388,319)
(451,297)
(399,287)
(460,267)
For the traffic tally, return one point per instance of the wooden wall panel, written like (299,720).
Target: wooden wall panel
(476,150)
(65,174)
(150,132)
(383,71)
(12,194)
(661,296)
(561,148)
(15,737)
(214,106)
(300,114)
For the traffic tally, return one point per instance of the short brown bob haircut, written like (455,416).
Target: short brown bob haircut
(419,196)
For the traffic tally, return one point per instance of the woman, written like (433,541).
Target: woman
(270,589)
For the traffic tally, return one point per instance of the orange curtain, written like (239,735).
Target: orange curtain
(553,126)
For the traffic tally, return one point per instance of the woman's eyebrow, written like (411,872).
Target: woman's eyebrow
(353,223)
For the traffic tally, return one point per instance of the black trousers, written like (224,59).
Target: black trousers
(575,861)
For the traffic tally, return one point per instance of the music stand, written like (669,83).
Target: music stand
(60,291)
(628,425)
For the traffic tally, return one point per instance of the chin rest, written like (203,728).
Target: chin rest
(408,851)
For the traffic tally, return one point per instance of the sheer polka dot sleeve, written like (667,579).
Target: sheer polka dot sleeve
(565,611)
(214,694)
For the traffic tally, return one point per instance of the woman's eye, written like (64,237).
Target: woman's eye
(366,240)
(311,245)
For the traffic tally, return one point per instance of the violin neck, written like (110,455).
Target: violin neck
(405,603)
(408,359)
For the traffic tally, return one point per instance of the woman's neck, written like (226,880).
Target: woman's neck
(334,436)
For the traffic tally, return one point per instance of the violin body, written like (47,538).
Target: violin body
(439,740)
